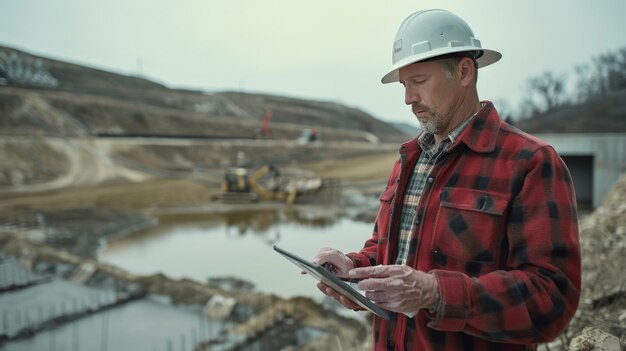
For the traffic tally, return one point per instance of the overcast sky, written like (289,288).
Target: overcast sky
(324,49)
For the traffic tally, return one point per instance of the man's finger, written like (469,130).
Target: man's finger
(375,272)
(328,291)
(324,253)
(375,284)
(349,304)
(323,288)
(368,272)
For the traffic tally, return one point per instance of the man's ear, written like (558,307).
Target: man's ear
(466,70)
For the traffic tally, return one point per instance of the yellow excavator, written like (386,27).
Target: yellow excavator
(240,185)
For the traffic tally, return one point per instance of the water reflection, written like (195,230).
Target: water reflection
(237,244)
(258,221)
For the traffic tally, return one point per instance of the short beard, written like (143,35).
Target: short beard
(432,126)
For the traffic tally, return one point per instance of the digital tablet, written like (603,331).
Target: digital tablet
(322,274)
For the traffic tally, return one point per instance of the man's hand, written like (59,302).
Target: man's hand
(328,291)
(338,263)
(397,288)
(335,261)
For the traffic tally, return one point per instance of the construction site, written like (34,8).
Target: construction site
(89,171)
(134,216)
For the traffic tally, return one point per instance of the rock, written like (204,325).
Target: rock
(593,339)
(83,272)
(219,307)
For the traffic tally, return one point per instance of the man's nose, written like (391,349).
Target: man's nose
(410,96)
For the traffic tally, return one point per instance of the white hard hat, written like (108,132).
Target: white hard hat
(430,33)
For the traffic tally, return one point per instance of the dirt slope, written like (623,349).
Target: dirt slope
(111,103)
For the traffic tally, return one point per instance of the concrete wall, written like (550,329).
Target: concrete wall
(581,169)
(608,151)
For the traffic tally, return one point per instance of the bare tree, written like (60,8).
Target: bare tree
(546,92)
(605,73)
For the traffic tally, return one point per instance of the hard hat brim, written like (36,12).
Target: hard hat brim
(488,57)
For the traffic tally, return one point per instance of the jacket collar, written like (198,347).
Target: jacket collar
(479,135)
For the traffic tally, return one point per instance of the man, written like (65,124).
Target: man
(475,246)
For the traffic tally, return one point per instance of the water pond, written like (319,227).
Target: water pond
(237,245)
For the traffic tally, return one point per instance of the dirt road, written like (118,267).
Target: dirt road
(96,175)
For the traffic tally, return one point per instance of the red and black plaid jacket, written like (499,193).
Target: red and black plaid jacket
(497,225)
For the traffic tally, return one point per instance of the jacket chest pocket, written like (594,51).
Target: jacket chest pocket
(469,230)
(384,212)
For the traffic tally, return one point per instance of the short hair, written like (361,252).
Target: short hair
(450,61)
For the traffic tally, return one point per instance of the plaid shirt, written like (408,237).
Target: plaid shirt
(425,163)
(498,229)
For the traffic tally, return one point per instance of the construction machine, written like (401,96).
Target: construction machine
(241,185)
